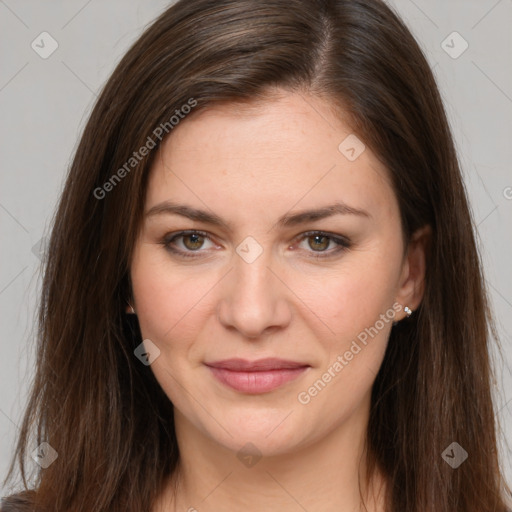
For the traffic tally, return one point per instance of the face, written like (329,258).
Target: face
(298,255)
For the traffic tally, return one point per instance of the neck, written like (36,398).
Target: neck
(325,474)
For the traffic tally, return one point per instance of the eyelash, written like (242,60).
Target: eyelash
(342,243)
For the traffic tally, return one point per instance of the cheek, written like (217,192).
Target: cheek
(352,297)
(360,313)
(343,386)
(355,304)
(169,302)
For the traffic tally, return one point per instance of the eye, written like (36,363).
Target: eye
(186,243)
(320,242)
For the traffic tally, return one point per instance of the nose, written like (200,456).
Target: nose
(254,300)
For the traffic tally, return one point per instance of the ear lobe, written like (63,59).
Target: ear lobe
(412,288)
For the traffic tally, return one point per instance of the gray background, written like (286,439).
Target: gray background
(44,104)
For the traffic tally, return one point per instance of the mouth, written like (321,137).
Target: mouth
(255,377)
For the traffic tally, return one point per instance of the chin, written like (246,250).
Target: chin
(269,432)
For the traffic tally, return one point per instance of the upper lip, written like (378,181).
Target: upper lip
(243,365)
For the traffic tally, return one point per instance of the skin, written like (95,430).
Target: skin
(249,165)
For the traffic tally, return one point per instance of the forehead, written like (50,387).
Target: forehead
(268,155)
(276,127)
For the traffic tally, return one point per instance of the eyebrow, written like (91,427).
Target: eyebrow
(287,220)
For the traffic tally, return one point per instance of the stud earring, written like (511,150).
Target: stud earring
(408,312)
(131,307)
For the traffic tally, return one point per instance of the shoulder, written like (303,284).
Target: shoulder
(21,502)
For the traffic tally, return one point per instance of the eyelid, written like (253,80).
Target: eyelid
(327,234)
(343,243)
(170,237)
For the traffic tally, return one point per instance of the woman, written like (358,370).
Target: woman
(263,289)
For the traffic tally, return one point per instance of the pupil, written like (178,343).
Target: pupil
(195,241)
(316,241)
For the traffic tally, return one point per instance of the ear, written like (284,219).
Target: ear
(412,278)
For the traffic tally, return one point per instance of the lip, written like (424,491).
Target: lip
(243,365)
(260,376)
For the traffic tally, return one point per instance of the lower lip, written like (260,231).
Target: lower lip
(256,381)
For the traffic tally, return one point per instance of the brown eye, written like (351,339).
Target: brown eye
(193,241)
(319,242)
(323,245)
(188,243)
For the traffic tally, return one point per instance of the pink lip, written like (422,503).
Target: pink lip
(258,376)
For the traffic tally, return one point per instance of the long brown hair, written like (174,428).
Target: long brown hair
(104,412)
